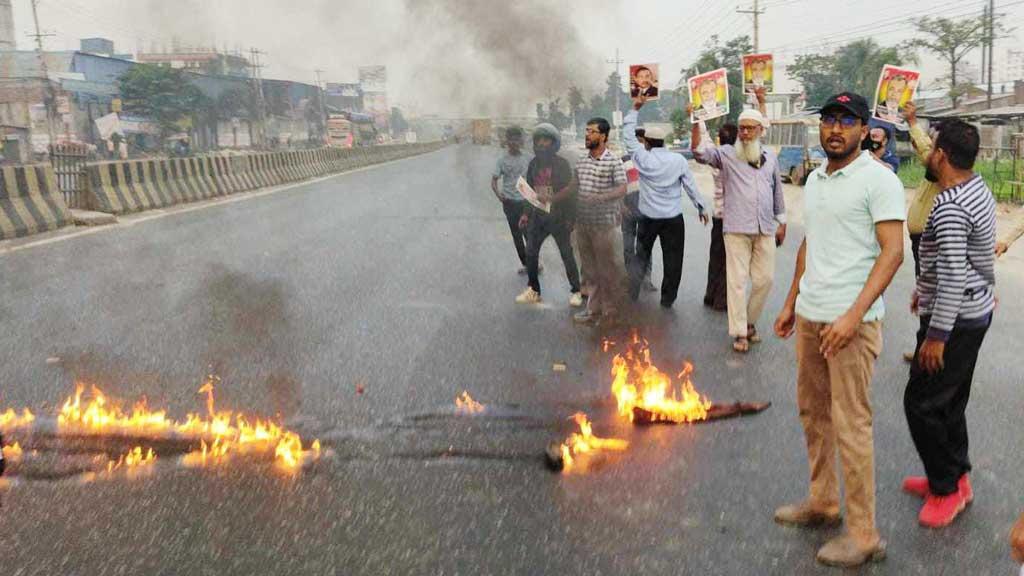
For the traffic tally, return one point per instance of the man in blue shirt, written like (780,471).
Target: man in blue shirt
(663,177)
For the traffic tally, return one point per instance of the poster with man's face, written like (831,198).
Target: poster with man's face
(896,87)
(758,72)
(643,80)
(709,94)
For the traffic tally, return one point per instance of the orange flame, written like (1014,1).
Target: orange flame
(464,404)
(132,459)
(13,451)
(584,441)
(10,419)
(638,383)
(229,430)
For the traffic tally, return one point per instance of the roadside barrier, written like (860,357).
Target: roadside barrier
(31,201)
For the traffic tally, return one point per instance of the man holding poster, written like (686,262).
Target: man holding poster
(709,94)
(643,81)
(896,87)
(757,72)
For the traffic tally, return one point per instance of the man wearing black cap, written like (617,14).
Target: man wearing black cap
(854,212)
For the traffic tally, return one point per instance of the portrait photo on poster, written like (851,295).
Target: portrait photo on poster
(709,94)
(896,87)
(758,72)
(643,81)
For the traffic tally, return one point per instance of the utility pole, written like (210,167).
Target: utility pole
(323,105)
(991,46)
(257,79)
(984,44)
(756,11)
(50,97)
(617,61)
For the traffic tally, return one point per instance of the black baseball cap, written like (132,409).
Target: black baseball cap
(849,102)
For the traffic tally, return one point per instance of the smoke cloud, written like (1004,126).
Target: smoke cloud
(443,56)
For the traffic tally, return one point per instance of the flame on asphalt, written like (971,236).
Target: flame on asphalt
(134,458)
(638,383)
(12,451)
(584,441)
(11,419)
(219,432)
(464,404)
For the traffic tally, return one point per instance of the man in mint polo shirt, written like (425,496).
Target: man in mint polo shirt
(854,213)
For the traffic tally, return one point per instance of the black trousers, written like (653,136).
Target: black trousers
(715,294)
(935,406)
(915,248)
(630,227)
(672,234)
(540,227)
(513,211)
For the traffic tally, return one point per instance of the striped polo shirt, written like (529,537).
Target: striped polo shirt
(598,176)
(957,282)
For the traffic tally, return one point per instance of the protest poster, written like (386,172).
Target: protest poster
(758,72)
(643,81)
(896,87)
(709,94)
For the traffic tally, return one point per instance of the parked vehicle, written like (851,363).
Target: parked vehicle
(795,140)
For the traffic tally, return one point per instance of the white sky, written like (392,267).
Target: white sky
(302,35)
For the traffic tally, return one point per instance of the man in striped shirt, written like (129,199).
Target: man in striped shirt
(955,299)
(601,180)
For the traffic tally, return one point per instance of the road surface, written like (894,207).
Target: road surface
(399,281)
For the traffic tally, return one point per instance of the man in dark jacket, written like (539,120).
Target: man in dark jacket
(551,177)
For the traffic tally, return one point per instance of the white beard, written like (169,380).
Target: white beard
(749,152)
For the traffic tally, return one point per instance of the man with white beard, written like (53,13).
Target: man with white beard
(754,221)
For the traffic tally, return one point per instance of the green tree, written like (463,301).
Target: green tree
(398,123)
(555,115)
(613,90)
(854,67)
(951,41)
(164,95)
(576,103)
(730,56)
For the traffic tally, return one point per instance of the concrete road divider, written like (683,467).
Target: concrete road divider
(30,201)
(132,186)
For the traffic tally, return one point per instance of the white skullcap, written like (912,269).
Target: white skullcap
(656,133)
(752,114)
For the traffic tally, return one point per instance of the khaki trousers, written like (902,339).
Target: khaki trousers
(601,256)
(834,398)
(748,257)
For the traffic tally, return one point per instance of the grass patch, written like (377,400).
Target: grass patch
(996,174)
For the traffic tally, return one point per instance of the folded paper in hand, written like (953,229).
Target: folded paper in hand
(530,195)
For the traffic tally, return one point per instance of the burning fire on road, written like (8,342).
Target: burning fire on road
(464,404)
(561,456)
(645,395)
(218,433)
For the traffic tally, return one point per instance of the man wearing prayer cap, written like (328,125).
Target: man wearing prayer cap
(754,220)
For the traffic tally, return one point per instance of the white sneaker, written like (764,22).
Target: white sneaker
(529,296)
(576,300)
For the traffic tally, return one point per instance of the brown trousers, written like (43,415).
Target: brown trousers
(834,398)
(601,256)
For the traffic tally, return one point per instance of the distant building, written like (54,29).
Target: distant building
(200,61)
(7,39)
(100,46)
(1013,65)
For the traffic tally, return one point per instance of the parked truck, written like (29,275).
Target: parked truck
(481,131)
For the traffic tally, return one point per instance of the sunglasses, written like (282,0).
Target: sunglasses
(844,120)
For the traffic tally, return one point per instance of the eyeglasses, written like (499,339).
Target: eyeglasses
(845,121)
